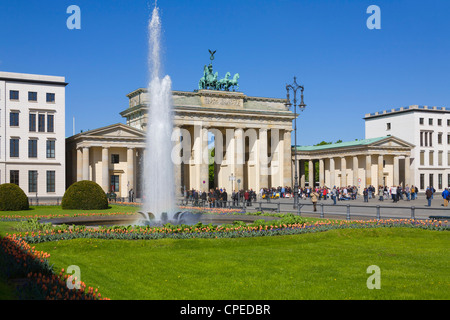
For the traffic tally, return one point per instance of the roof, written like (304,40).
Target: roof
(412,108)
(355,143)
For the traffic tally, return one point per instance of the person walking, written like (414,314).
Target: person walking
(334,194)
(446,197)
(429,195)
(314,195)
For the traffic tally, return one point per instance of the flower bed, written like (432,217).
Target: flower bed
(23,261)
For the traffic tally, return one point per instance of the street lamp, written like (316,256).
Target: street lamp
(294,87)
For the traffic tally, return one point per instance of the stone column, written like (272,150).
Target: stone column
(408,171)
(263,159)
(396,171)
(176,158)
(332,173)
(79,164)
(368,170)
(311,173)
(239,155)
(321,173)
(287,149)
(197,150)
(204,167)
(301,171)
(355,171)
(85,163)
(380,170)
(343,172)
(105,169)
(131,152)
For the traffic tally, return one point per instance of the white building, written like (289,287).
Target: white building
(32,133)
(428,129)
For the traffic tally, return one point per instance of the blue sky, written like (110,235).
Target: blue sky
(347,69)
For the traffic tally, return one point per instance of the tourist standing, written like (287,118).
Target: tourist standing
(366,195)
(380,193)
(314,195)
(394,193)
(429,195)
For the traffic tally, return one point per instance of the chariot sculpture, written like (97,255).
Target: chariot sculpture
(211,81)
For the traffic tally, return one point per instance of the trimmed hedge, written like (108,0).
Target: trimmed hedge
(85,195)
(12,198)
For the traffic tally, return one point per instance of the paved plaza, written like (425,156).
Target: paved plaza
(354,209)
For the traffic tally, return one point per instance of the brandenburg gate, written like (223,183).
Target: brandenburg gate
(252,138)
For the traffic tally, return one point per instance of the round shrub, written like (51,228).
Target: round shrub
(86,195)
(12,198)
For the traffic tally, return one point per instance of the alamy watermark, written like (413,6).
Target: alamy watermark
(374,21)
(74,20)
(74,279)
(236,147)
(374,281)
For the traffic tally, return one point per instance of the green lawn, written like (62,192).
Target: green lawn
(327,265)
(56,210)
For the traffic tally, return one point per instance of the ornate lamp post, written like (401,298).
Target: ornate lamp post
(294,87)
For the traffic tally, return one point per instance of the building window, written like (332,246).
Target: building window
(421,138)
(51,149)
(431,182)
(32,122)
(448,158)
(14,176)
(440,138)
(431,158)
(50,181)
(13,95)
(32,96)
(448,180)
(431,138)
(448,123)
(439,122)
(422,181)
(440,158)
(422,158)
(14,119)
(430,121)
(50,123)
(32,180)
(115,183)
(14,147)
(114,158)
(32,148)
(421,120)
(41,123)
(50,97)
(388,126)
(448,139)
(440,181)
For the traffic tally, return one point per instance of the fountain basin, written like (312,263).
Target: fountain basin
(126,220)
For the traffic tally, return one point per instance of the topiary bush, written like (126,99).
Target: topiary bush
(12,198)
(86,195)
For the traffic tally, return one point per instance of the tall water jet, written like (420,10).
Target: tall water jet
(159,185)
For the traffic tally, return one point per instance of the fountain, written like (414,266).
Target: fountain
(159,183)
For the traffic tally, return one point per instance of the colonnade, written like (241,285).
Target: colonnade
(96,165)
(360,170)
(244,158)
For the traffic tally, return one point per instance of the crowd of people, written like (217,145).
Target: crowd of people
(219,197)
